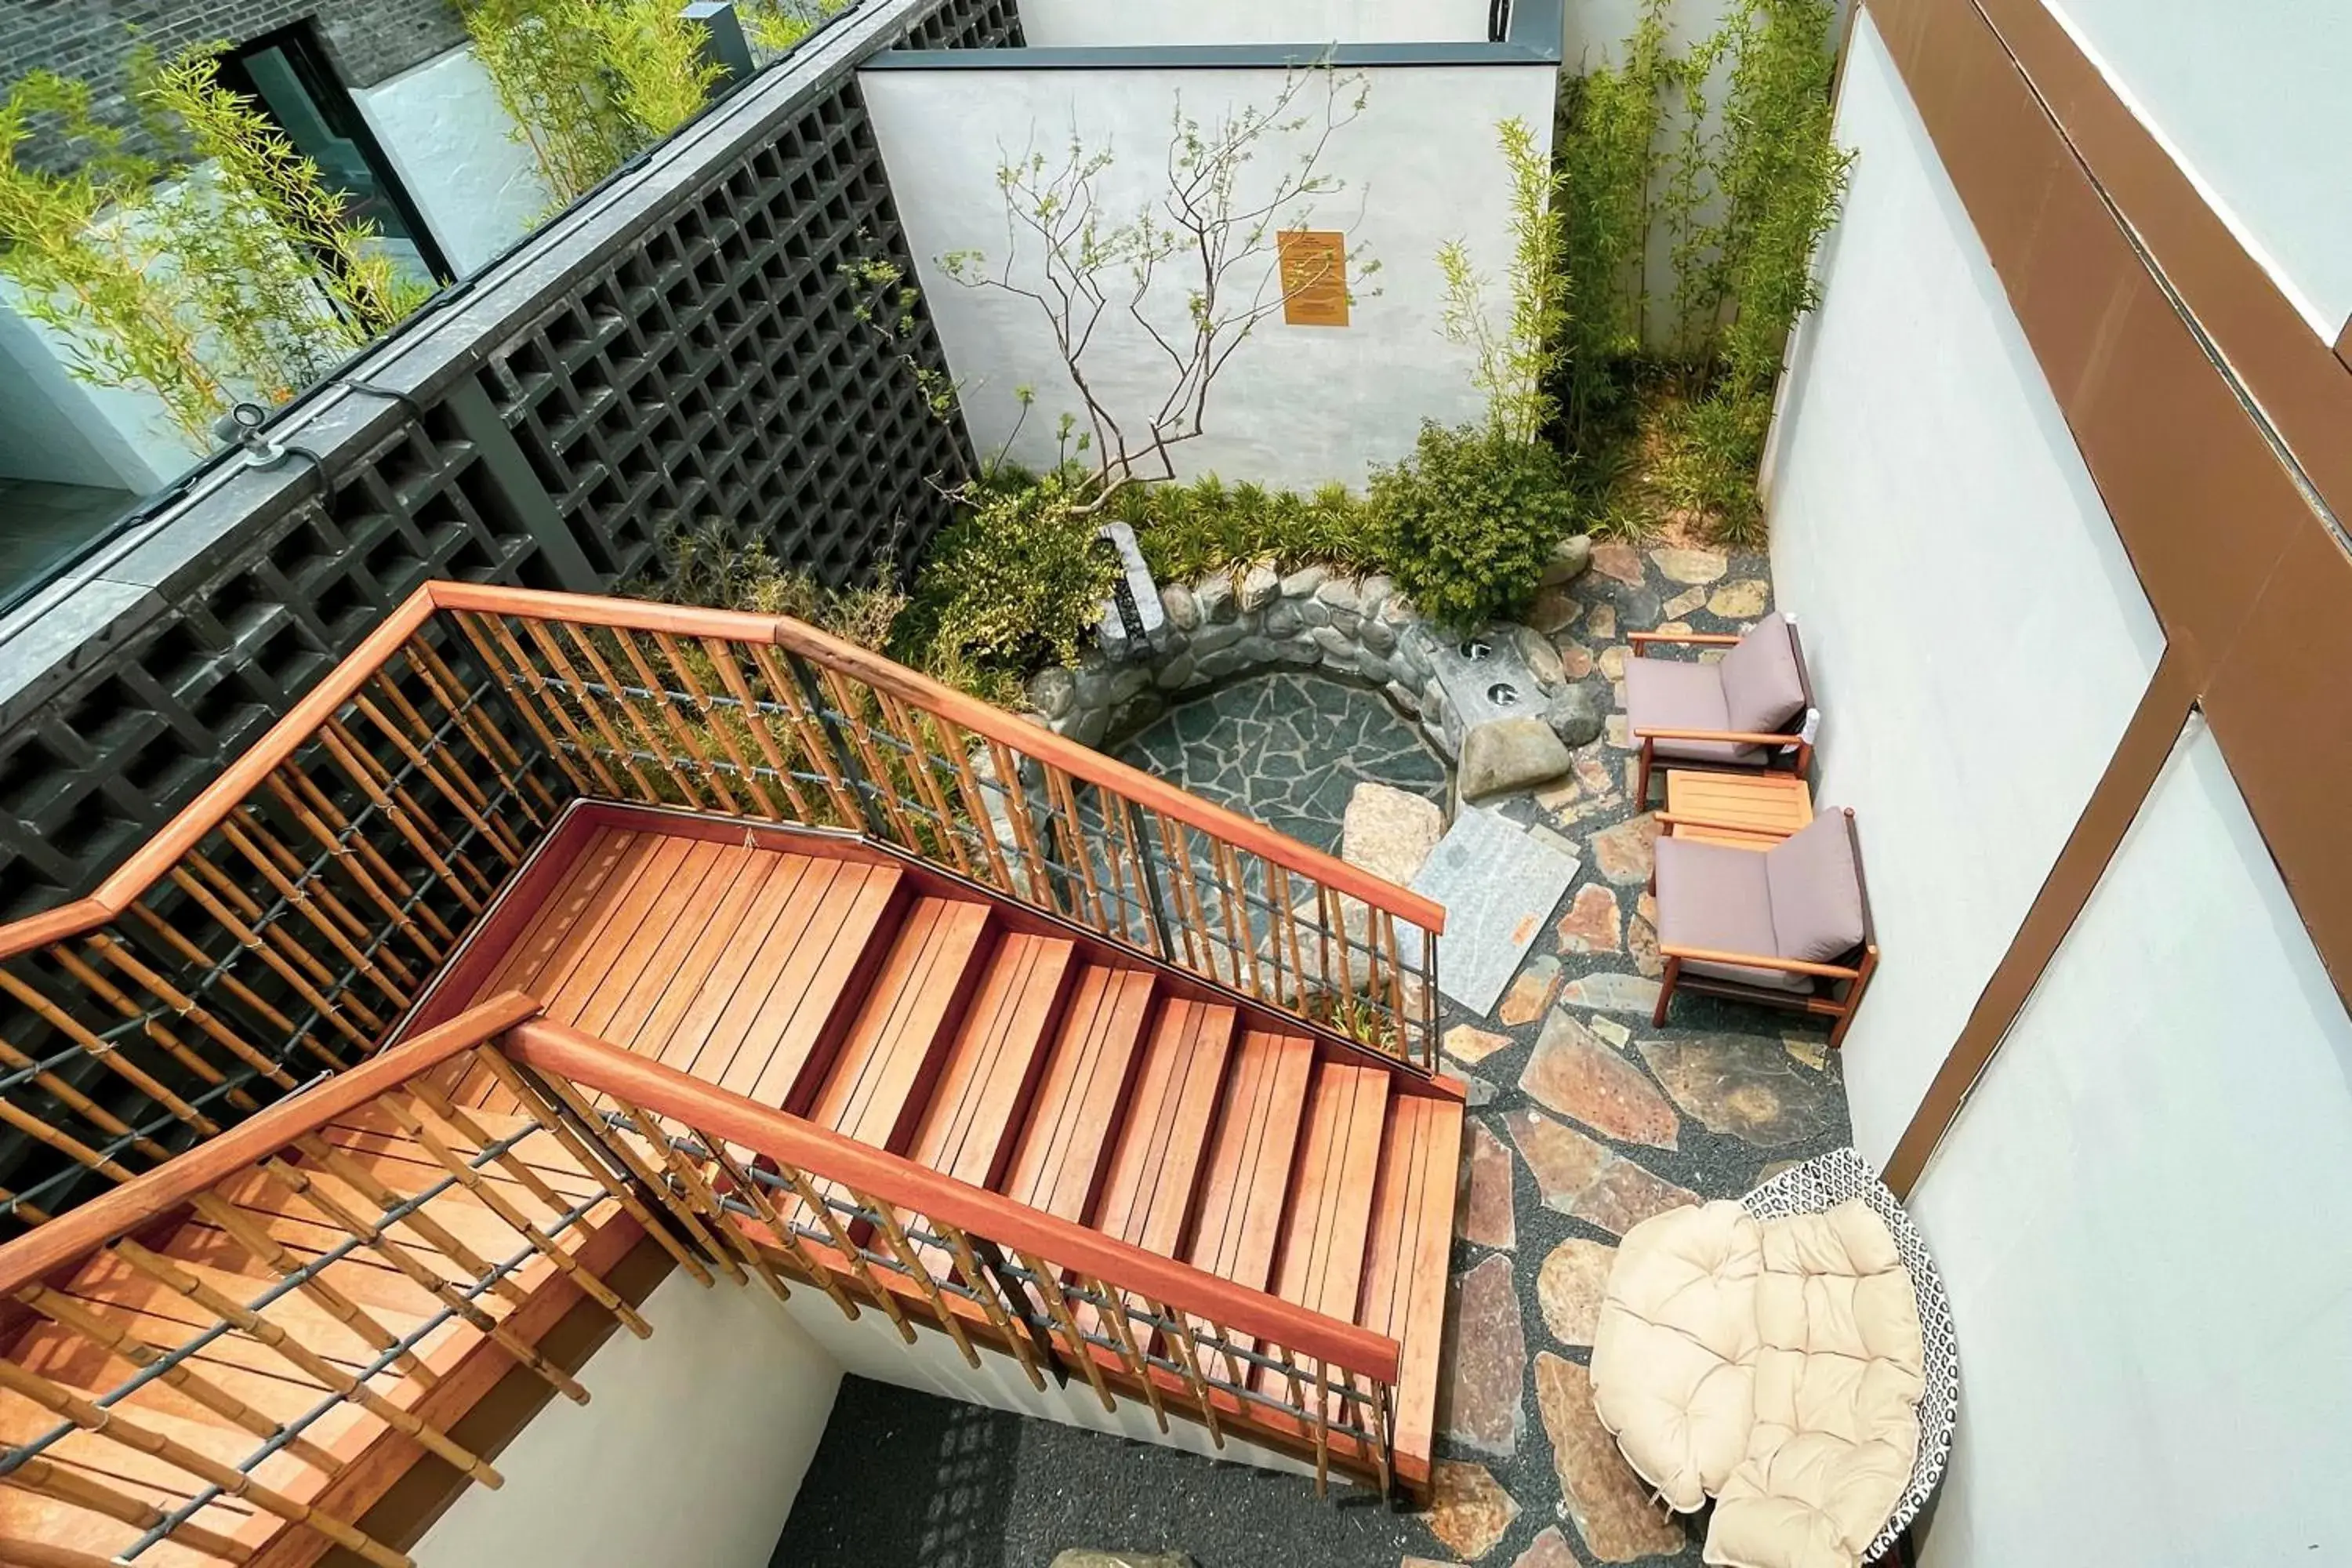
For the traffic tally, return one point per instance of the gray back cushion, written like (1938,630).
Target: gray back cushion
(1762,691)
(1816,892)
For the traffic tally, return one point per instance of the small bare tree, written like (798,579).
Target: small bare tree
(1206,233)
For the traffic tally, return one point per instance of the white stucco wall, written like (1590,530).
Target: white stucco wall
(690,1449)
(1294,405)
(2141,1215)
(2249,99)
(451,143)
(1052,23)
(1974,628)
(870,1347)
(50,428)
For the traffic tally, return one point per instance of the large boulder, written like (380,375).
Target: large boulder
(1390,832)
(1569,560)
(1501,755)
(1575,716)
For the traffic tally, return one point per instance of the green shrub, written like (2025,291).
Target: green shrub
(1016,580)
(701,565)
(1188,531)
(1474,516)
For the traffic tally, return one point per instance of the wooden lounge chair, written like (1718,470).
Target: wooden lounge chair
(1785,927)
(1753,709)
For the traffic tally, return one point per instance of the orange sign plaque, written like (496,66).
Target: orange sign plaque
(1314,276)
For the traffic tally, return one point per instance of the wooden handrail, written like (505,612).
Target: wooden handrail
(155,859)
(112,1215)
(1730,737)
(593,1064)
(961,708)
(1641,640)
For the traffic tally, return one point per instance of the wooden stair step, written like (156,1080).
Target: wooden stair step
(1328,1215)
(1155,1167)
(876,1086)
(1249,1158)
(1406,1254)
(1057,1161)
(22,1420)
(985,1085)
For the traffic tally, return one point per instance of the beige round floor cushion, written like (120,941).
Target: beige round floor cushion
(1774,1366)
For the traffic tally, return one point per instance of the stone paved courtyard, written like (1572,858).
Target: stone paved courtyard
(1584,1121)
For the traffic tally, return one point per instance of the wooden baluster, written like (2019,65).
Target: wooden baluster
(188,1007)
(1233,1366)
(756,1194)
(1335,918)
(1127,861)
(319,910)
(226,903)
(80,1104)
(426,1278)
(246,996)
(157,1032)
(617,696)
(909,725)
(420,730)
(430,1095)
(680,668)
(680,731)
(410,822)
(1064,817)
(310,806)
(540,1109)
(526,693)
(1189,1360)
(1049,1285)
(917,1273)
(860,729)
(588,703)
(1322,1427)
(240,1228)
(47,1478)
(116,1062)
(455,696)
(698,1193)
(364,1182)
(110,1337)
(1396,983)
(958,745)
(272,957)
(1113,1313)
(842,1244)
(1017,806)
(543,687)
(113,1426)
(1377,1437)
(808,737)
(497,1202)
(730,672)
(40,1554)
(401,806)
(463,796)
(1176,855)
(263,839)
(1016,1335)
(1286,912)
(610,1140)
(1238,925)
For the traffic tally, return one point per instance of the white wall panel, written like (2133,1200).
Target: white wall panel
(2141,1214)
(691,1450)
(452,143)
(1294,405)
(1976,633)
(2249,99)
(1052,23)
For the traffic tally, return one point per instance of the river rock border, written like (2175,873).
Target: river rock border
(1221,628)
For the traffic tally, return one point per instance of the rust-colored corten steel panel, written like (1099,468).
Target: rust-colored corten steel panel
(2253,586)
(2304,389)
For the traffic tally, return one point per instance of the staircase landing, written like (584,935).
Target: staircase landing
(813,972)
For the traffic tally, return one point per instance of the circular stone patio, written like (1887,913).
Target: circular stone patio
(1288,750)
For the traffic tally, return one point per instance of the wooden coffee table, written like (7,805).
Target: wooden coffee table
(1749,811)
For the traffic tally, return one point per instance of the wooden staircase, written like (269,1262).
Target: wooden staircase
(880,1000)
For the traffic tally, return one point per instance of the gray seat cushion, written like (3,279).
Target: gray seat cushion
(1675,694)
(1763,692)
(1713,895)
(1816,893)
